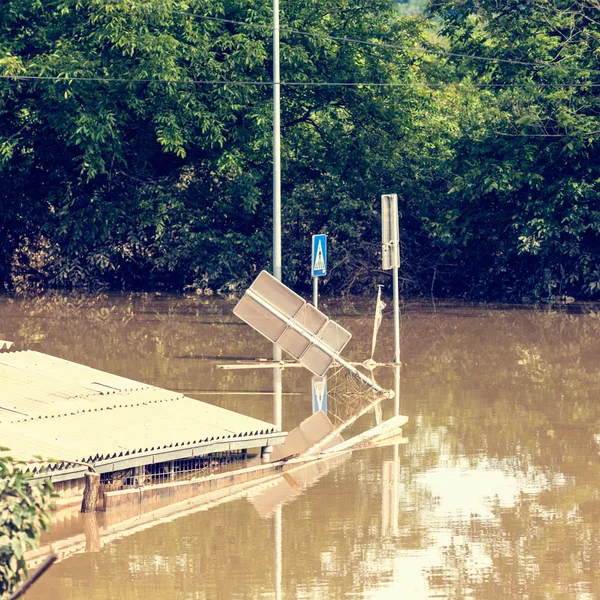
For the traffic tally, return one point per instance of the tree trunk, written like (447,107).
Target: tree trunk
(90,493)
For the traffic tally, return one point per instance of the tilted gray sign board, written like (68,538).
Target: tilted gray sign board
(287,320)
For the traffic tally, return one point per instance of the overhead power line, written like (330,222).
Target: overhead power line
(217,82)
(338,39)
(343,39)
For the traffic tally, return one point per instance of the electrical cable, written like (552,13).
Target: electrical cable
(375,44)
(325,83)
(69,79)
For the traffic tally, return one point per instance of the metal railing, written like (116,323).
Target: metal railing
(175,470)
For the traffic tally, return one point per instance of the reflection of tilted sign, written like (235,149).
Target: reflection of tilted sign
(295,326)
(319,392)
(390,236)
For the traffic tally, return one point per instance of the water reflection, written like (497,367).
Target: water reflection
(498,490)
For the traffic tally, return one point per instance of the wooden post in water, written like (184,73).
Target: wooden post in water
(91,491)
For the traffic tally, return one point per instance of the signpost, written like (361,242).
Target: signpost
(390,256)
(319,263)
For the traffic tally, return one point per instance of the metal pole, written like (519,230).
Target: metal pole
(396,317)
(277,522)
(319,344)
(396,463)
(316,292)
(396,482)
(276,147)
(396,389)
(276,195)
(277,386)
(277,395)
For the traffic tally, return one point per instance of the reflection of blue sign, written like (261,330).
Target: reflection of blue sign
(319,394)
(319,255)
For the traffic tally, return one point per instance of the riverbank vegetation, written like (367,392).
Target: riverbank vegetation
(135,144)
(24,508)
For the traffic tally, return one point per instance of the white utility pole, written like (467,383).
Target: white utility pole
(390,240)
(276,147)
(277,383)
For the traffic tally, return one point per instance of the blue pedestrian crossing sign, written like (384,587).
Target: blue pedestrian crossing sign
(319,394)
(319,255)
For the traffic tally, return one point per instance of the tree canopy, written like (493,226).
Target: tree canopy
(136,144)
(525,193)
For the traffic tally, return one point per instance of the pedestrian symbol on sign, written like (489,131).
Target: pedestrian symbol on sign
(319,261)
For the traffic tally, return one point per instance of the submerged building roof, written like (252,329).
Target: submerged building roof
(70,413)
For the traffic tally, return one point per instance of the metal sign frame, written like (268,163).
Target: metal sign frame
(292,324)
(286,319)
(390,257)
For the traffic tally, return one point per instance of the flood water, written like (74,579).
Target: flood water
(495,495)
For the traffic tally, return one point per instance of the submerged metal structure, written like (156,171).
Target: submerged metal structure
(300,329)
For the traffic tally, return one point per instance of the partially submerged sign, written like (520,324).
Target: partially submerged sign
(287,320)
(298,328)
(314,430)
(380,434)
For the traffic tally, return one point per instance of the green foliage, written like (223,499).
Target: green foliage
(24,507)
(155,169)
(168,183)
(525,193)
(113,161)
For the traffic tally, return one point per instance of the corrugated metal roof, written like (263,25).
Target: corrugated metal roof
(33,383)
(62,410)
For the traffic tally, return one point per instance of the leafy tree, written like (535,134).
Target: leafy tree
(151,176)
(24,507)
(145,159)
(109,157)
(524,210)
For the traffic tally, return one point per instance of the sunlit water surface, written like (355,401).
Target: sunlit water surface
(495,495)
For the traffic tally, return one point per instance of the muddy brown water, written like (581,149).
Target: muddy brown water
(495,495)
